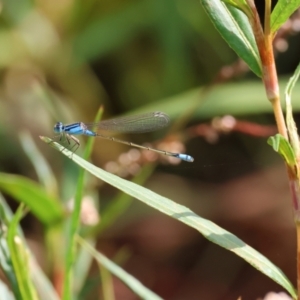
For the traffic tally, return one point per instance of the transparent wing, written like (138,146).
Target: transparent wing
(133,124)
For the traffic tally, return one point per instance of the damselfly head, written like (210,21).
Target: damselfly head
(58,127)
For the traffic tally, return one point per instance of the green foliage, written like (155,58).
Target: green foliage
(234,27)
(241,5)
(46,208)
(20,258)
(291,125)
(129,280)
(75,222)
(24,264)
(281,13)
(283,147)
(210,230)
(59,62)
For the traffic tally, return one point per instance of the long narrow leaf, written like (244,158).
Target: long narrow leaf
(235,29)
(282,11)
(20,258)
(236,99)
(41,166)
(181,213)
(291,125)
(47,209)
(128,279)
(5,292)
(75,222)
(41,281)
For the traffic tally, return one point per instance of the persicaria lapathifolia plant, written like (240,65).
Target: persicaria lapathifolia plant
(239,24)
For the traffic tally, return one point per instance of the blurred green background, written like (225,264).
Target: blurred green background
(62,60)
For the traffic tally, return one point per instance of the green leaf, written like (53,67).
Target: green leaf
(283,147)
(128,279)
(210,230)
(75,220)
(47,209)
(106,34)
(41,166)
(14,11)
(5,257)
(20,257)
(282,11)
(41,281)
(5,292)
(118,206)
(234,27)
(238,98)
(291,125)
(241,5)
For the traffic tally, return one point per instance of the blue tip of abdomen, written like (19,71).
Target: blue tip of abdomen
(185,157)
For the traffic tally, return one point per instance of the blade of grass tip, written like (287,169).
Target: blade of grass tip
(135,285)
(75,220)
(41,166)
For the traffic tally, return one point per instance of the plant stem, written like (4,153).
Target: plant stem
(267,17)
(298,258)
(75,223)
(265,47)
(264,40)
(279,117)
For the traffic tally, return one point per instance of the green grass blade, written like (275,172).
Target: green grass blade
(236,99)
(183,214)
(105,35)
(46,208)
(82,268)
(5,292)
(42,283)
(235,29)
(41,166)
(5,257)
(20,257)
(118,206)
(75,221)
(128,279)
(281,12)
(107,283)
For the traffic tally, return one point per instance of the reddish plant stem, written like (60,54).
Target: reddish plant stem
(298,259)
(264,41)
(269,76)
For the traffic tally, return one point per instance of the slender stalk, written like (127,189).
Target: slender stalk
(267,17)
(298,258)
(295,195)
(280,121)
(264,41)
(265,47)
(75,224)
